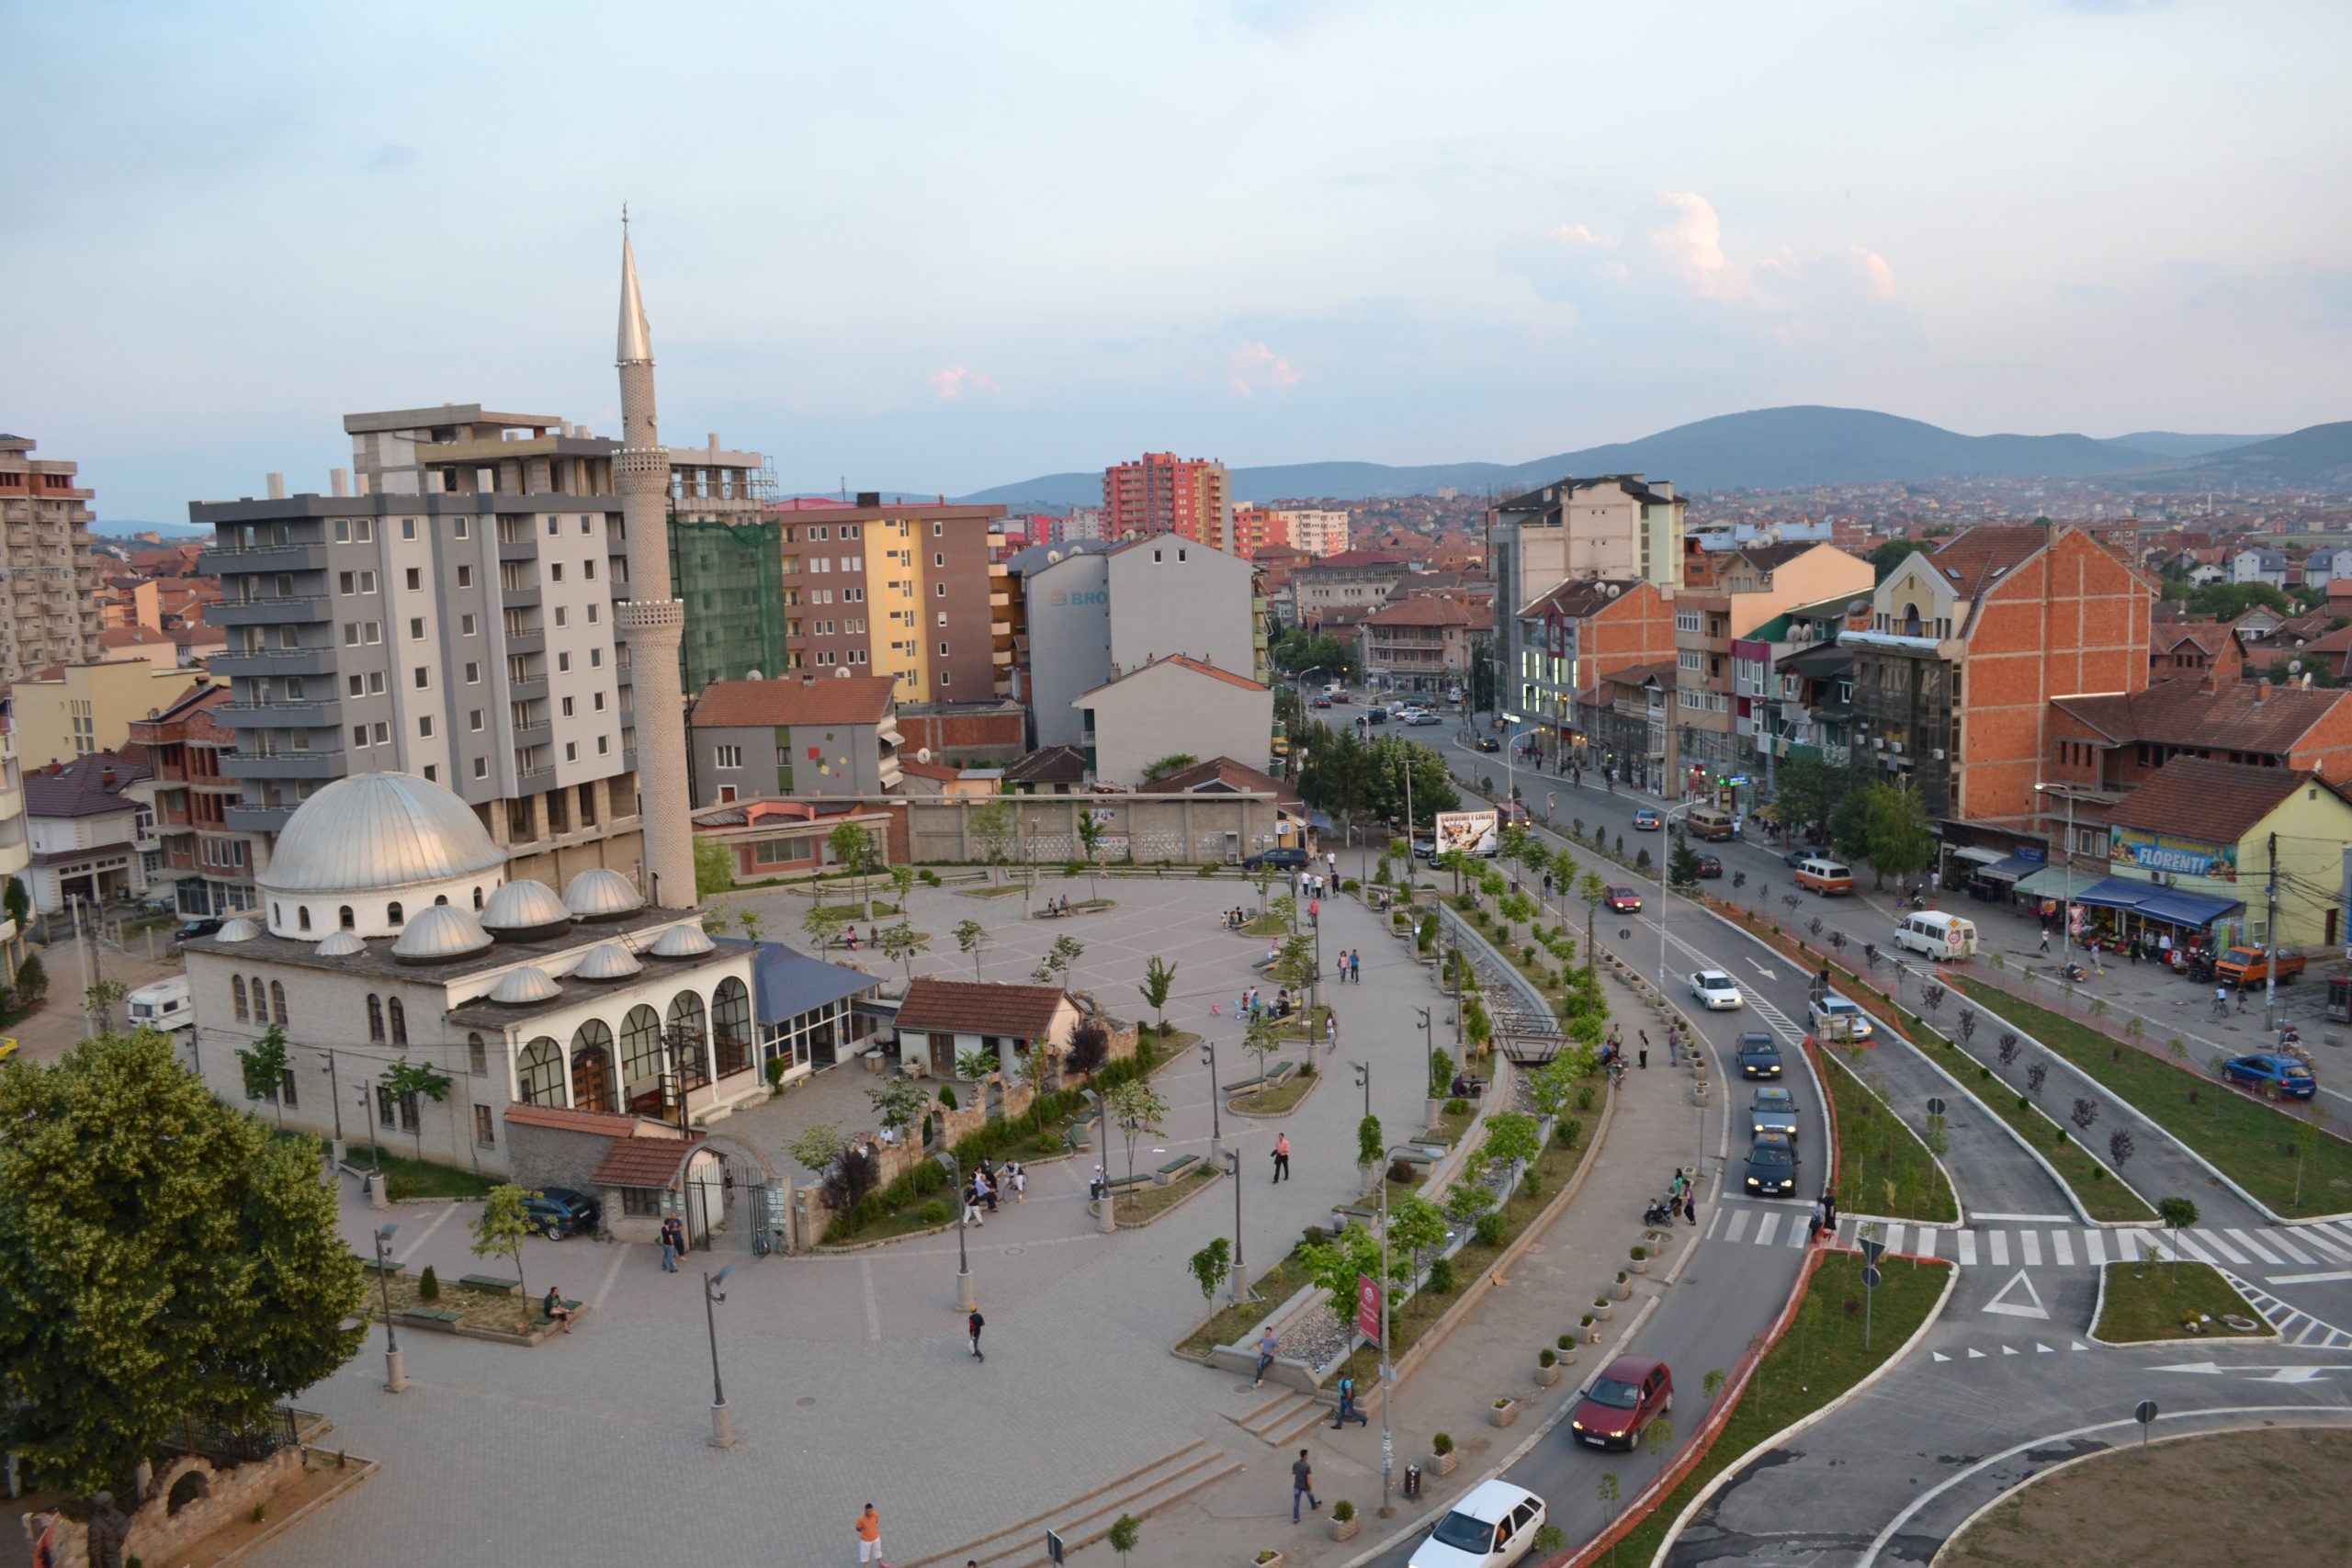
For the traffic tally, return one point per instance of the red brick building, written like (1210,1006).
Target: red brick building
(1162,493)
(207,864)
(913,590)
(1577,635)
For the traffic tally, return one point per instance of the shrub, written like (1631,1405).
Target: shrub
(1349,886)
(1442,1277)
(1442,1444)
(1488,1230)
(1639,1255)
(930,878)
(1307,1069)
(428,1285)
(1565,1341)
(1401,1170)
(1457,1107)
(947,1096)
(1570,1130)
(1547,1357)
(1207,869)
(32,981)
(1344,1510)
(1047,1144)
(927,1178)
(933,1213)
(1585,1095)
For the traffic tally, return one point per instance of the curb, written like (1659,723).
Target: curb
(2268,1337)
(368,1467)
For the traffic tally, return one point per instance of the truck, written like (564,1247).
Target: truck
(2244,966)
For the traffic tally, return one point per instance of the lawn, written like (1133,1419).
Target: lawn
(406,1178)
(1820,1357)
(2102,1197)
(1266,925)
(1883,1168)
(480,1309)
(2148,1300)
(1273,1287)
(2253,1144)
(1141,1205)
(1283,1098)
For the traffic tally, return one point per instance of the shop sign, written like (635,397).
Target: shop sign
(2169,852)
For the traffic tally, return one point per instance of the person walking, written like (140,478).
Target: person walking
(1330,1031)
(1643,1054)
(1282,1155)
(972,1199)
(1348,1411)
(1829,1213)
(674,1243)
(1820,1212)
(1355,965)
(1019,1180)
(1302,1484)
(1267,1346)
(869,1538)
(976,1323)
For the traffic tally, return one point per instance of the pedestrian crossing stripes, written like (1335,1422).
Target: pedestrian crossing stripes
(2058,1246)
(2294,1328)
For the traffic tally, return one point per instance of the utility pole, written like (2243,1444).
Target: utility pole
(82,964)
(2271,942)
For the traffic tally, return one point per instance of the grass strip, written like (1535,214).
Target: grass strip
(2101,1196)
(1273,1287)
(1882,1167)
(1818,1358)
(406,1178)
(2294,1166)
(1274,1102)
(2148,1300)
(1141,1204)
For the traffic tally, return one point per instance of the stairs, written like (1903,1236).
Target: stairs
(1166,1480)
(1282,1418)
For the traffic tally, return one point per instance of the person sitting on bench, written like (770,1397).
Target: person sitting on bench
(554,1309)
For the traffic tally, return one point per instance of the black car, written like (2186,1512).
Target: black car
(1281,860)
(1488,743)
(559,1211)
(1710,866)
(1759,1057)
(1771,1166)
(1373,715)
(195,929)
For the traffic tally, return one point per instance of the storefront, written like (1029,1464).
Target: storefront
(2117,911)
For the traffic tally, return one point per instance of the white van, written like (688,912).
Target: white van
(1944,937)
(163,1006)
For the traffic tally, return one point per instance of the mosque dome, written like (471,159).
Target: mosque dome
(341,945)
(522,985)
(600,893)
(238,929)
(610,961)
(439,934)
(683,941)
(524,907)
(377,832)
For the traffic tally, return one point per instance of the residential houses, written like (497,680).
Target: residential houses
(800,735)
(1570,637)
(1425,643)
(1172,706)
(1720,694)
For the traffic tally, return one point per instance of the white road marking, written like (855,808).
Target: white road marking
(2002,1305)
(2294,1253)
(426,1234)
(1715,1220)
(1797,1236)
(1926,1245)
(1967,1240)
(2324,1249)
(2062,1249)
(1738,1224)
(2029,1243)
(1997,1243)
(2008,1349)
(873,1307)
(2336,1278)
(1940,1356)
(2254,1246)
(1974,1355)
(2189,1248)
(2095,1249)
(2135,1245)
(2229,1254)
(1767,1226)
(620,1256)
(2042,1349)
(1763,969)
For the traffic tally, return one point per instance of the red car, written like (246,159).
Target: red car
(1622,1404)
(1623,901)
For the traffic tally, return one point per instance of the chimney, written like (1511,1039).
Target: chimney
(277,487)
(361,487)
(338,482)
(2261,690)
(714,441)
(106,779)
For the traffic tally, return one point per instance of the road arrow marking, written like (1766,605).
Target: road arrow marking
(1974,1355)
(2078,1345)
(2284,1278)
(1940,1356)
(1764,969)
(1999,1304)
(2207,1368)
(2008,1349)
(2042,1349)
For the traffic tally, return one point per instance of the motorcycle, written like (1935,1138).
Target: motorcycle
(2075,972)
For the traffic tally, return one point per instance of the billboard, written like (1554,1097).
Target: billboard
(1472,832)
(2167,852)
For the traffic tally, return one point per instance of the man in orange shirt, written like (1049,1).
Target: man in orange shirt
(869,1537)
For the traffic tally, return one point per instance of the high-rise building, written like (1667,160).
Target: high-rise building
(1608,527)
(1317,531)
(1162,493)
(203,864)
(1257,529)
(911,590)
(49,612)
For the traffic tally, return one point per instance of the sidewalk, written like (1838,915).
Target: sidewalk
(1489,1353)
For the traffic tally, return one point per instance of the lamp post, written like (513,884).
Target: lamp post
(1105,1219)
(1240,1275)
(722,1424)
(2065,920)
(395,1370)
(1387,1367)
(1217,1117)
(1510,752)
(965,1299)
(1429,1061)
(1665,835)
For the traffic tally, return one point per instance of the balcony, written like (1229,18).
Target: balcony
(526,686)
(269,612)
(281,715)
(525,597)
(525,549)
(283,765)
(274,661)
(538,734)
(263,557)
(259,818)
(534,640)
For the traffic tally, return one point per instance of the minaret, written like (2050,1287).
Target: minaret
(652,622)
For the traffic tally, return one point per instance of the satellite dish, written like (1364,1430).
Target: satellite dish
(1857,607)
(1051,556)
(923,753)
(1613,591)
(842,673)
(753,675)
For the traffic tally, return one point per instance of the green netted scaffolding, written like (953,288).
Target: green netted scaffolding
(731,578)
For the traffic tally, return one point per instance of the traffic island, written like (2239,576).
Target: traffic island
(2147,1302)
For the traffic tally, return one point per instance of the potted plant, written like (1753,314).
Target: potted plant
(1343,1521)
(1601,1308)
(1504,1411)
(1591,1327)
(1641,1256)
(1441,1450)
(1568,1346)
(1547,1367)
(1269,1558)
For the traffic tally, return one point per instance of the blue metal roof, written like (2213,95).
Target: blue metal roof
(2116,892)
(2176,908)
(787,984)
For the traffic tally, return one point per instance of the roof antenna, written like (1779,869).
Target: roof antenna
(624,214)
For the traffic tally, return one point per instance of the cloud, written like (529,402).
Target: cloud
(954,381)
(1690,245)
(1576,237)
(1254,365)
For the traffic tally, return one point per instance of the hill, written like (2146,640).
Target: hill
(2316,457)
(2167,444)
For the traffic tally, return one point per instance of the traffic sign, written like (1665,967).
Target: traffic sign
(1871,1276)
(2145,1411)
(1872,1250)
(1055,1550)
(1935,1105)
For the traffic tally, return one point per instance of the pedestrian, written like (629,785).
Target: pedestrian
(976,1323)
(1302,1484)
(2135,953)
(1644,1055)
(1348,1411)
(869,1538)
(1095,1185)
(2045,937)
(1331,859)
(1829,1213)
(1812,1230)
(1355,966)
(972,1201)
(1330,1031)
(1282,1155)
(552,1305)
(988,1189)
(1019,1180)
(1267,1346)
(669,1252)
(2242,991)
(1314,912)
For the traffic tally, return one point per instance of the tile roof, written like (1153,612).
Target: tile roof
(82,787)
(1428,610)
(1197,667)
(976,1007)
(1580,597)
(1772,557)
(2219,802)
(642,1161)
(2238,715)
(1356,558)
(1637,674)
(1053,764)
(2209,636)
(565,1120)
(1221,773)
(851,699)
(1972,560)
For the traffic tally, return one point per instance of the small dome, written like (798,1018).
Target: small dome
(524,906)
(374,831)
(602,895)
(238,929)
(341,945)
(438,934)
(610,961)
(527,984)
(683,941)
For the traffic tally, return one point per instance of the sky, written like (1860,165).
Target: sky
(945,246)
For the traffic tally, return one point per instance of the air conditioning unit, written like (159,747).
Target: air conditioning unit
(1894,745)
(1879,743)
(1937,753)
(2161,878)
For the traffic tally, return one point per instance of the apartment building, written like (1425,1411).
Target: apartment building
(49,576)
(1162,493)
(1095,615)
(72,712)
(1423,644)
(802,735)
(1257,529)
(1317,531)
(1607,528)
(1719,696)
(1574,635)
(15,846)
(909,591)
(202,863)
(1356,579)
(90,831)
(1808,681)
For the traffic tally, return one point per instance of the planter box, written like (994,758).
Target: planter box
(1547,1377)
(1446,1464)
(1345,1530)
(1274,1561)
(1592,1334)
(1641,1265)
(1624,1290)
(1503,1415)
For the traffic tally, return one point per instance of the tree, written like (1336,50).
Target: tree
(32,981)
(1416,1228)
(1369,1141)
(752,922)
(971,937)
(1295,966)
(1512,1139)
(974,1064)
(817,1145)
(992,827)
(404,1081)
(1160,768)
(1893,553)
(16,903)
(1090,839)
(1595,893)
(1159,979)
(902,883)
(1055,967)
(824,922)
(1088,1048)
(2177,1215)
(1551,1087)
(1465,1201)
(503,1225)
(897,1104)
(1516,909)
(1682,866)
(1212,1266)
(1458,862)
(714,868)
(1334,1265)
(854,852)
(1809,791)
(1138,1109)
(263,1065)
(902,941)
(1261,1039)
(1901,838)
(1125,1531)
(1262,875)
(99,997)
(163,1259)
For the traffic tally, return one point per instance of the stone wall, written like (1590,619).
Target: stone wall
(158,1535)
(540,1157)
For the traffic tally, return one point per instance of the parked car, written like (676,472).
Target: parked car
(1623,901)
(1716,991)
(1621,1403)
(1773,1110)
(1710,866)
(1648,820)
(1771,1166)
(1794,858)
(1282,859)
(1759,1057)
(195,929)
(1488,743)
(1836,1018)
(1496,1523)
(2251,966)
(2269,1070)
(559,1211)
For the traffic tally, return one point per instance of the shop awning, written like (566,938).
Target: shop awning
(2011,869)
(2115,892)
(1319,821)
(2176,908)
(1977,856)
(2050,882)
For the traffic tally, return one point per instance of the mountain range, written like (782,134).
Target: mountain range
(1795,446)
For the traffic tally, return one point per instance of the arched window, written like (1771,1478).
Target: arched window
(400,1022)
(477,900)
(1911,620)
(687,1023)
(392,914)
(539,1073)
(441,901)
(342,919)
(277,913)
(261,1000)
(641,1046)
(477,1055)
(237,994)
(375,1016)
(592,1067)
(730,1025)
(278,1000)
(302,917)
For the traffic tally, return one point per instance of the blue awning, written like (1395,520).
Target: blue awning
(2179,908)
(2011,869)
(2116,893)
(1319,821)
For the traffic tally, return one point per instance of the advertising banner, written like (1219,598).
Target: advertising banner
(1472,832)
(2170,853)
(1368,1308)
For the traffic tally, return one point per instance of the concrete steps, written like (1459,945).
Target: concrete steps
(1166,1480)
(1282,1418)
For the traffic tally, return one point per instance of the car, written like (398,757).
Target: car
(2269,1070)
(1715,990)
(1341,697)
(1411,711)
(1373,715)
(1322,702)
(1488,743)
(1794,858)
(1623,901)
(195,929)
(1630,1394)
(1281,860)
(1710,866)
(1648,820)
(1835,1017)
(1771,1166)
(1422,717)
(2244,966)
(1773,1110)
(1759,1057)
(1494,1524)
(558,1211)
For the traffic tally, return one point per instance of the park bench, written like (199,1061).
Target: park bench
(1420,1156)
(1243,1086)
(490,1284)
(388,1267)
(1121,1183)
(1175,1171)
(1077,1133)
(432,1317)
(539,1317)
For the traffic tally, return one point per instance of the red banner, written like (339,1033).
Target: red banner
(1368,1309)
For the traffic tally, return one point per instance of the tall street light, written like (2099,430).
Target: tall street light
(1666,838)
(395,1371)
(722,1424)
(1510,752)
(1387,1367)
(1429,1060)
(1240,1276)
(1105,1219)
(965,1299)
(1216,1118)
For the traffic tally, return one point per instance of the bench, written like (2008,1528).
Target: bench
(388,1267)
(1175,1171)
(1243,1086)
(490,1284)
(1079,1134)
(438,1317)
(1423,1158)
(539,1318)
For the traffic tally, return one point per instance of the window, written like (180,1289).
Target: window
(944,677)
(595,615)
(604,746)
(461,531)
(424,726)
(392,917)
(342,919)
(943,650)
(302,918)
(356,686)
(940,589)
(562,663)
(466,625)
(383,734)
(277,999)
(347,583)
(552,522)
(588,570)
(597,701)
(473,675)
(415,577)
(374,632)
(481,767)
(640,1045)
(416,629)
(424,677)
(374,1016)
(375,682)
(408,531)
(562,615)
(939,557)
(237,996)
(538,1072)
(286,1091)
(431,773)
(595,658)
(939,530)
(942,617)
(572,750)
(486,1128)
(359,736)
(465,577)
(343,531)
(584,524)
(555,571)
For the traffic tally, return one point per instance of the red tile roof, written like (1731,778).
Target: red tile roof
(2219,802)
(1428,610)
(642,1161)
(1972,560)
(1637,674)
(974,1007)
(87,787)
(1584,596)
(1221,773)
(2238,715)
(739,705)
(569,1121)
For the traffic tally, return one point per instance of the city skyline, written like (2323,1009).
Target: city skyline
(1314,232)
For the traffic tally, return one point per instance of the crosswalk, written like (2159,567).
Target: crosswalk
(2294,1328)
(2325,1246)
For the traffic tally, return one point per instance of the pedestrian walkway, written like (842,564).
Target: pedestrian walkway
(2050,1246)
(2294,1327)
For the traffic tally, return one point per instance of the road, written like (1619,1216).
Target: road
(1912,1458)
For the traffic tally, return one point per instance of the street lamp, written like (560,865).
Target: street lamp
(1510,752)
(1216,1118)
(1105,1219)
(2067,921)
(395,1371)
(1240,1272)
(965,1299)
(722,1424)
(1387,1367)
(1666,836)
(1429,1060)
